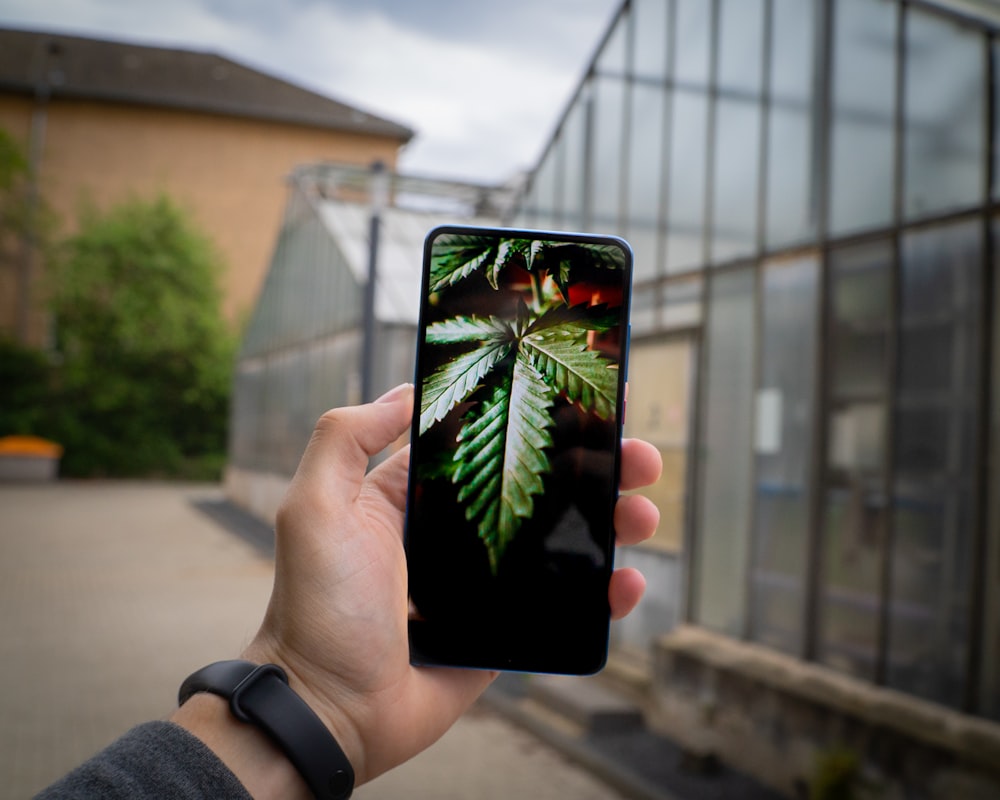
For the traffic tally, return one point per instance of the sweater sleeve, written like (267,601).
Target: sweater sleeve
(157,759)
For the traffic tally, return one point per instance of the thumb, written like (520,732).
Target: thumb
(344,440)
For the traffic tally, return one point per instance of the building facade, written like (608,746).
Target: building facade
(810,188)
(102,122)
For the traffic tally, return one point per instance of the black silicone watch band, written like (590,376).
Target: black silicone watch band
(261,695)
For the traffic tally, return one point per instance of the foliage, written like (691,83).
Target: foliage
(25,389)
(21,213)
(514,368)
(27,230)
(146,357)
(839,775)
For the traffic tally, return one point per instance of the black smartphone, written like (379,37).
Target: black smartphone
(522,352)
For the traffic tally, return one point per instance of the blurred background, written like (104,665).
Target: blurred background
(212,218)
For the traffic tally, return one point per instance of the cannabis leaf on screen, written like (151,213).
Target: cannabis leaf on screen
(541,355)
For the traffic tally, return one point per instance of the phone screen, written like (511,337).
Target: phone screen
(521,361)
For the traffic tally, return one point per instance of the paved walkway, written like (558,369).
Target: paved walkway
(110,593)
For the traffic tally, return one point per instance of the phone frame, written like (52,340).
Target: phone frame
(444,643)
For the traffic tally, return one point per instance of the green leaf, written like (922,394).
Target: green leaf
(506,251)
(576,319)
(455,380)
(468,329)
(501,456)
(584,376)
(455,257)
(537,247)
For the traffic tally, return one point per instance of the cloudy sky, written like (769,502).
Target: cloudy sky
(482,82)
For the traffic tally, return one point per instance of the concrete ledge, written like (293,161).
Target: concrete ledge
(586,702)
(772,716)
(258,492)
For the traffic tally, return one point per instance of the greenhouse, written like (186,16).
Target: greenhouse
(811,190)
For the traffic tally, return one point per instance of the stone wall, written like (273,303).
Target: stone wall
(776,718)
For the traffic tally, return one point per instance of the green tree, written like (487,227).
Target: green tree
(543,354)
(146,357)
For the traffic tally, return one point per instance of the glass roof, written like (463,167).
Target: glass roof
(345,196)
(400,251)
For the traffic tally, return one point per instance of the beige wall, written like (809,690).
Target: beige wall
(228,172)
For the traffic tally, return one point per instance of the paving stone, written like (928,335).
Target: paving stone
(112,592)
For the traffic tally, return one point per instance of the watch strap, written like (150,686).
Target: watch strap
(260,694)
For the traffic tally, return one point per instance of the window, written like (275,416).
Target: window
(854,505)
(791,156)
(724,452)
(864,90)
(693,37)
(650,25)
(686,195)
(989,688)
(645,179)
(571,145)
(933,497)
(943,140)
(660,379)
(783,449)
(607,152)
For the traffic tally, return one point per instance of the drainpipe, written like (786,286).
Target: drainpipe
(378,195)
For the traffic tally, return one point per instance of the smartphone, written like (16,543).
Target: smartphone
(522,349)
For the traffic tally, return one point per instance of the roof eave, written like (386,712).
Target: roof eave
(366,126)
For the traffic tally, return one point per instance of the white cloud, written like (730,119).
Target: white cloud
(481,109)
(478,112)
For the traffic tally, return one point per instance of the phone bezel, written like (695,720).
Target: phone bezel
(434,645)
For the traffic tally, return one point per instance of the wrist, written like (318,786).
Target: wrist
(248,753)
(335,717)
(260,697)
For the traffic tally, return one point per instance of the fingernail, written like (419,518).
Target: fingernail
(393,394)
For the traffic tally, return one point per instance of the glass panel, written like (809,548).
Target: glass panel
(660,375)
(611,60)
(990,668)
(944,147)
(994,125)
(571,144)
(682,303)
(725,453)
(864,79)
(783,444)
(791,203)
(609,119)
(542,206)
(644,314)
(740,53)
(854,506)
(692,42)
(737,166)
(686,171)
(645,178)
(935,437)
(651,32)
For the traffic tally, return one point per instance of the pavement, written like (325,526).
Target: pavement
(112,592)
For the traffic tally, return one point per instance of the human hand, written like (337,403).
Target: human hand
(337,620)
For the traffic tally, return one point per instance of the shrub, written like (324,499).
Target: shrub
(146,358)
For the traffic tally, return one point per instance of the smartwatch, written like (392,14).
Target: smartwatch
(261,696)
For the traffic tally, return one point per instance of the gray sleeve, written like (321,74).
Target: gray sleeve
(157,759)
